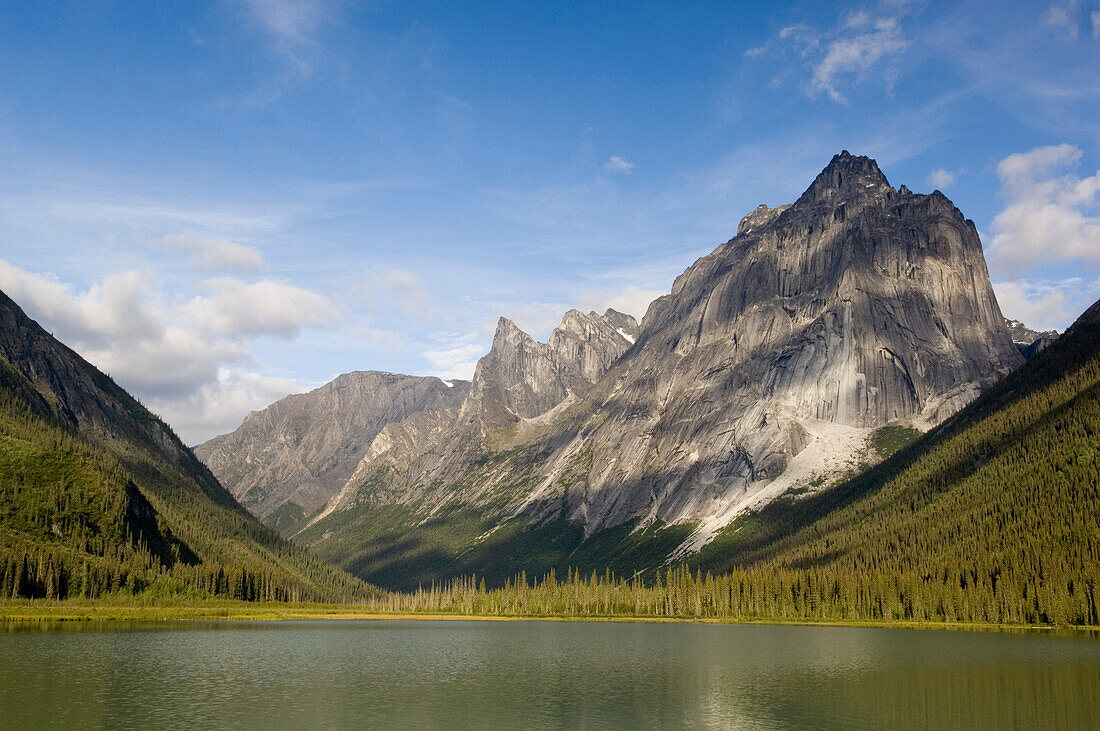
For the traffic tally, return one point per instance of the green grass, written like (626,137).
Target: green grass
(889,439)
(47,614)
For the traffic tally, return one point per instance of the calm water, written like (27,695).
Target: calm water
(541,674)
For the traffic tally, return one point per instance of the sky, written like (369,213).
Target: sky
(222,203)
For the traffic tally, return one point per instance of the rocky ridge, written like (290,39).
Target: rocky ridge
(516,383)
(1029,342)
(767,367)
(286,461)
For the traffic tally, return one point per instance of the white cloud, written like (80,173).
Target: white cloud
(456,355)
(861,44)
(941,179)
(402,290)
(120,309)
(214,254)
(237,309)
(1051,213)
(189,361)
(219,405)
(537,319)
(617,165)
(1046,305)
(1064,17)
(857,55)
(1095,24)
(631,300)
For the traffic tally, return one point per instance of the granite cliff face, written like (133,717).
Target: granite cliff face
(295,458)
(285,462)
(515,386)
(767,367)
(856,307)
(521,378)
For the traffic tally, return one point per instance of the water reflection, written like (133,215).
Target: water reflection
(540,674)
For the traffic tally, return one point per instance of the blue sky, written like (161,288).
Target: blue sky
(221,203)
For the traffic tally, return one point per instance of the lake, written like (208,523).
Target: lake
(448,674)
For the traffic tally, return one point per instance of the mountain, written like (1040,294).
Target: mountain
(521,378)
(783,360)
(1029,342)
(992,517)
(515,386)
(285,463)
(97,495)
(288,461)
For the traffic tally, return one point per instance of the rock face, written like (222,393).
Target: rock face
(295,459)
(125,500)
(767,367)
(856,307)
(517,382)
(522,378)
(1028,341)
(285,462)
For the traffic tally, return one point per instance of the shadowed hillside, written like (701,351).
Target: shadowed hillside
(97,495)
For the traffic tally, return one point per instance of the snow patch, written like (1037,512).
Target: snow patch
(449,384)
(625,335)
(835,450)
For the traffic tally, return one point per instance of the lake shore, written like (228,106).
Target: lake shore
(22,611)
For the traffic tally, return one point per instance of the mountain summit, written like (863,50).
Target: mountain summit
(768,368)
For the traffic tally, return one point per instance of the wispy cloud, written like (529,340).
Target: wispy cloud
(632,300)
(1066,18)
(455,355)
(860,46)
(291,25)
(941,179)
(212,254)
(857,55)
(402,291)
(617,165)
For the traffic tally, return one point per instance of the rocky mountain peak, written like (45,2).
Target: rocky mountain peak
(846,177)
(1029,342)
(285,462)
(758,218)
(528,378)
(623,323)
(508,332)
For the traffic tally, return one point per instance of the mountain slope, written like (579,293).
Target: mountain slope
(1029,342)
(285,462)
(771,366)
(299,455)
(994,516)
(98,495)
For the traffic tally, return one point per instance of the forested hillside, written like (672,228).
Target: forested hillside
(993,516)
(98,496)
